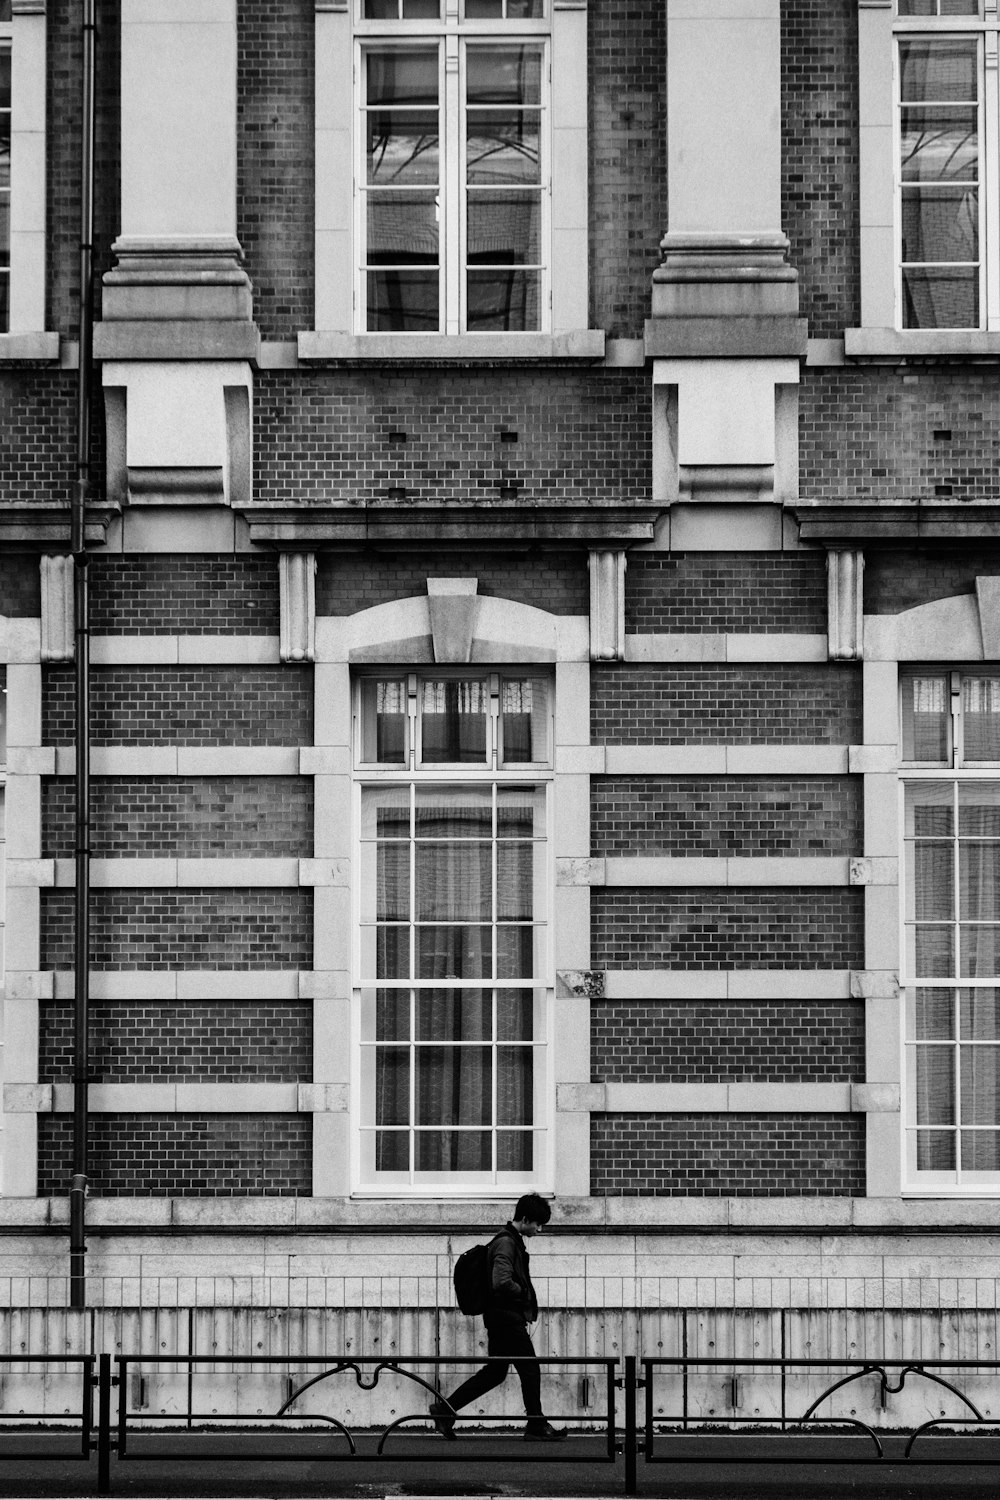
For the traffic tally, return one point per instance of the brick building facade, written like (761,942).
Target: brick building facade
(545,643)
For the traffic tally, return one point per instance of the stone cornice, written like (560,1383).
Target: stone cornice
(495,526)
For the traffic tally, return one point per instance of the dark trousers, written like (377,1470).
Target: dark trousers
(509,1339)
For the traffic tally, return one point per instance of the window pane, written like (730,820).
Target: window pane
(504,75)
(392,1085)
(454,1151)
(979,1011)
(454,1085)
(514,1015)
(392,953)
(515,952)
(454,721)
(403,301)
(392,1015)
(935,1085)
(515,882)
(421,10)
(936,1150)
(939,144)
(524,730)
(981,1085)
(483,10)
(934,952)
(934,882)
(503,300)
(402,229)
(383,721)
(385,813)
(934,1014)
(979,809)
(5,72)
(392,1151)
(930,809)
(454,882)
(941,224)
(981,1150)
(917,7)
(514,1085)
(926,718)
(981,718)
(979,881)
(979,948)
(514,1151)
(407,76)
(403,147)
(454,813)
(947,298)
(504,228)
(454,1015)
(520,812)
(393,883)
(938,70)
(502,147)
(454,953)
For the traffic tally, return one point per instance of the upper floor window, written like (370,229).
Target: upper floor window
(5,141)
(951,718)
(948,265)
(453,177)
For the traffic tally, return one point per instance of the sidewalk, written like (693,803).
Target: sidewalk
(486,1465)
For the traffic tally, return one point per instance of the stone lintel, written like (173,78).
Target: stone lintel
(499,527)
(738,336)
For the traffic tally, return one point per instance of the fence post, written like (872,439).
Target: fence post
(104,1426)
(631,1435)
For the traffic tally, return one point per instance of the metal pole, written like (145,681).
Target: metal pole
(631,1434)
(81,626)
(104,1426)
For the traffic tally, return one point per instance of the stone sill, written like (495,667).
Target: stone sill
(497,348)
(623,1216)
(895,345)
(29,346)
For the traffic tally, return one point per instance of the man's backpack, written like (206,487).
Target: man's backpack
(472,1280)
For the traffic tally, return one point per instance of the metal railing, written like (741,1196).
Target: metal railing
(679,1426)
(84,1414)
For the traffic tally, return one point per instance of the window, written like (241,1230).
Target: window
(452,198)
(951,936)
(453,982)
(946,166)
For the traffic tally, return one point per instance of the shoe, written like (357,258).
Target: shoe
(545,1433)
(444,1420)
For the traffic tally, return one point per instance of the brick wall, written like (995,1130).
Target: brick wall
(184,705)
(38,452)
(727,592)
(184,595)
(190,1156)
(725,815)
(710,705)
(867,433)
(722,1156)
(275,159)
(556,581)
(20,586)
(727,928)
(745,1041)
(901,578)
(819,158)
(184,929)
(628,177)
(253,1041)
(323,437)
(202,817)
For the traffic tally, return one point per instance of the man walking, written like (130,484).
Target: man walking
(510,1307)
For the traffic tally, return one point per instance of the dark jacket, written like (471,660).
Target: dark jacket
(510,1278)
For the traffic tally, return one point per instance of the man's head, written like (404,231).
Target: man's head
(531,1215)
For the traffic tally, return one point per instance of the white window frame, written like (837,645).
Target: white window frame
(953,771)
(338,325)
(25,35)
(882,331)
(369,775)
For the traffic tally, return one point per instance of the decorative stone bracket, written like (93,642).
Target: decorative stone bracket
(57,608)
(845,603)
(607,606)
(583,984)
(297,600)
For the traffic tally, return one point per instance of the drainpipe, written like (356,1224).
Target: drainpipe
(81,625)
